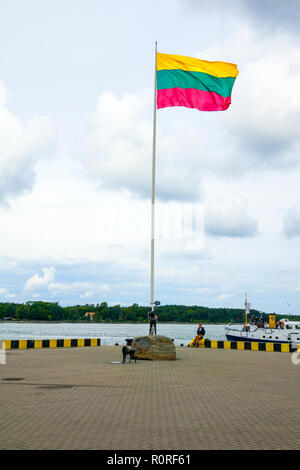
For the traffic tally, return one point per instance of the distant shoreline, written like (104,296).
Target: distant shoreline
(52,312)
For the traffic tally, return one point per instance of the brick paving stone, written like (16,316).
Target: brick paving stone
(206,399)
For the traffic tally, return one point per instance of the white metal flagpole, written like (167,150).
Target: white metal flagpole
(153,184)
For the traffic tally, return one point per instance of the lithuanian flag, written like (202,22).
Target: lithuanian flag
(194,83)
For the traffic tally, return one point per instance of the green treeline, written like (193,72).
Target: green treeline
(52,311)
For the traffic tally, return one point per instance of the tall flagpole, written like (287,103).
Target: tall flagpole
(153,183)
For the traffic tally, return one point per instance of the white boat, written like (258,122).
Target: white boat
(283,331)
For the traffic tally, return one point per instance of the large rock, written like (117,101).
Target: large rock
(154,347)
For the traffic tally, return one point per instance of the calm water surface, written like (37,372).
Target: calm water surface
(110,333)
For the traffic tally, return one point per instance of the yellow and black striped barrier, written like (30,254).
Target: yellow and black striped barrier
(244,345)
(49,343)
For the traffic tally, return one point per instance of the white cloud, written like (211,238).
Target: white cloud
(120,150)
(85,289)
(3,94)
(102,289)
(182,250)
(87,294)
(260,131)
(6,294)
(11,296)
(37,282)
(224,296)
(291,223)
(21,145)
(229,220)
(264,14)
(57,287)
(47,282)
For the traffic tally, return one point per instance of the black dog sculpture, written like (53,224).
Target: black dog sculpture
(128,351)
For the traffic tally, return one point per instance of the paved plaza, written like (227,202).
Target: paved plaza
(207,399)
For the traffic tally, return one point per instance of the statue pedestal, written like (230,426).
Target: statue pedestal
(154,347)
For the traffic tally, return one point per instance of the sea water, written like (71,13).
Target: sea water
(110,333)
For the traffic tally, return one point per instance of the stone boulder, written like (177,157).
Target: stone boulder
(154,347)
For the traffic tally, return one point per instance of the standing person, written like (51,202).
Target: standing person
(152,319)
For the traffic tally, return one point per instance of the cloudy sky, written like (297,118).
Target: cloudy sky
(76,105)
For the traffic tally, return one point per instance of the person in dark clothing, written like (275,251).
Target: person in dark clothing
(153,321)
(200,334)
(200,331)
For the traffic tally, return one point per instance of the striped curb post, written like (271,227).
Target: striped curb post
(246,345)
(50,343)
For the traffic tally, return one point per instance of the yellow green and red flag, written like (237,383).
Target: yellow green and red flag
(194,83)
